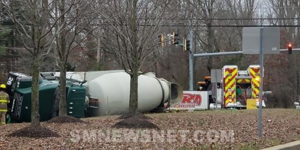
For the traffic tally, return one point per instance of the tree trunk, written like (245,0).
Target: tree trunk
(35,115)
(63,92)
(98,53)
(133,102)
(62,51)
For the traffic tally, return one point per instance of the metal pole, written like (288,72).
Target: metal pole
(191,71)
(218,54)
(169,101)
(191,62)
(215,87)
(261,62)
(235,53)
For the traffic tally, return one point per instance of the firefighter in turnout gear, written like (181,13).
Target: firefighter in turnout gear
(4,100)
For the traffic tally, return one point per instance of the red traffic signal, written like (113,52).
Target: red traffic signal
(290,48)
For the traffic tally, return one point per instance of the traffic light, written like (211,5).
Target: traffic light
(290,48)
(175,40)
(161,40)
(186,45)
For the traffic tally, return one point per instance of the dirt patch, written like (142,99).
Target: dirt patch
(135,121)
(65,119)
(34,132)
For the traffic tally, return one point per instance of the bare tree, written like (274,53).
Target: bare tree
(205,11)
(286,89)
(38,30)
(31,20)
(132,36)
(72,16)
(209,13)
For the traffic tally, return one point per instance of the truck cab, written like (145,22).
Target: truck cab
(19,90)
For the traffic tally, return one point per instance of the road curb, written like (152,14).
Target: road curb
(288,146)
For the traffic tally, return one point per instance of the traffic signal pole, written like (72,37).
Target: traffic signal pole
(192,57)
(191,61)
(218,54)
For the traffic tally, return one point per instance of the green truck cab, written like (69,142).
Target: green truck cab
(19,89)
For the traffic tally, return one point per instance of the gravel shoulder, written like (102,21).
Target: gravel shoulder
(280,126)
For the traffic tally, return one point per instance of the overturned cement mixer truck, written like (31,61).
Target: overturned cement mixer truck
(90,94)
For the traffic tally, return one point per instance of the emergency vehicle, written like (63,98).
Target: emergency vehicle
(234,89)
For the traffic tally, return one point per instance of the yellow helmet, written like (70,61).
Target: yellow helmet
(3,86)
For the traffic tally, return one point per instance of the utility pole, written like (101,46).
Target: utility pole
(191,61)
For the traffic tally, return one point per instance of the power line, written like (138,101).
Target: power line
(233,25)
(227,19)
(212,25)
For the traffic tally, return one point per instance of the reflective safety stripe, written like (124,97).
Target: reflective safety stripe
(243,81)
(4,101)
(255,82)
(229,79)
(3,110)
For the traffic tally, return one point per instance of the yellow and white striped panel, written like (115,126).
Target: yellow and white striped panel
(230,74)
(254,72)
